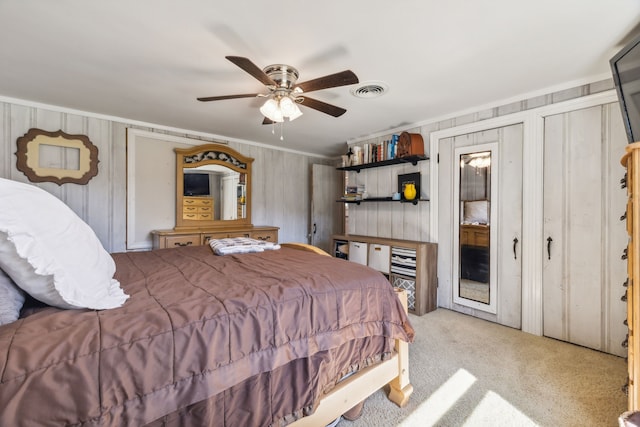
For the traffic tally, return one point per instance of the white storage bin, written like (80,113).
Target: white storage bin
(358,252)
(379,257)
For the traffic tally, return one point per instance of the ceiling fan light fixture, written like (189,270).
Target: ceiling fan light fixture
(271,110)
(287,106)
(277,116)
(277,109)
(284,93)
(296,112)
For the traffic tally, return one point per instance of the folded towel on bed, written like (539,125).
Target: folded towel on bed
(240,245)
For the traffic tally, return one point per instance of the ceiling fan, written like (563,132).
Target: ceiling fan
(284,94)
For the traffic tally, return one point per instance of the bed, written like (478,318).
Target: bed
(272,338)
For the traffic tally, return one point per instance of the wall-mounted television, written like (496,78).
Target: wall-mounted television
(196,184)
(625,66)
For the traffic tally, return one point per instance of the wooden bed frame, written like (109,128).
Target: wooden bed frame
(356,388)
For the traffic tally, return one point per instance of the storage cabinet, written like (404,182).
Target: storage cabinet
(171,238)
(409,265)
(631,160)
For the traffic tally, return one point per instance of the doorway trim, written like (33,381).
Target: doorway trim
(532,190)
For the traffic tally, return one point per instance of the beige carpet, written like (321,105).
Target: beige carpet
(470,372)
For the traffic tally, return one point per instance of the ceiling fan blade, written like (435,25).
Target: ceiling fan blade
(219,98)
(267,121)
(342,78)
(332,110)
(251,68)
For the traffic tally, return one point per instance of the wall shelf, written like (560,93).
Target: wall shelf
(382,199)
(408,159)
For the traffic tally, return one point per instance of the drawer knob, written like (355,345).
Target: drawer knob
(183,244)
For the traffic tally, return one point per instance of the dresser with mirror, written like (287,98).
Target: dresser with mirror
(213,198)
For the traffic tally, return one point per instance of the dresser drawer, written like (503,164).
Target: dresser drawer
(266,235)
(239,234)
(197,201)
(185,240)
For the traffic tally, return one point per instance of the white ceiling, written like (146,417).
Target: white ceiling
(148,60)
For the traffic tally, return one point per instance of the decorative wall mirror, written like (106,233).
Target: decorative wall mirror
(56,157)
(475,195)
(213,187)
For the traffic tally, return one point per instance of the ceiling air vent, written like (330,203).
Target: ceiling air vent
(370,90)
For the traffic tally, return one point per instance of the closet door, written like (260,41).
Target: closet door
(472,260)
(584,237)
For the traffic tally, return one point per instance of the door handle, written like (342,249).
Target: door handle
(314,228)
(515,244)
(549,240)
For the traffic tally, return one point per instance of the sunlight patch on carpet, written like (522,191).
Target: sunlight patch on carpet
(494,411)
(441,401)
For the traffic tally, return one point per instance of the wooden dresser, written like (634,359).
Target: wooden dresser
(197,221)
(631,160)
(201,236)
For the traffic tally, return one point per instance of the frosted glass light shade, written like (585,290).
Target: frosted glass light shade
(277,110)
(296,113)
(271,110)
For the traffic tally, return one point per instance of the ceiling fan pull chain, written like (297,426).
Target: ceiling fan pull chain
(281,136)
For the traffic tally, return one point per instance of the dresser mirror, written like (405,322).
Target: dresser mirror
(213,187)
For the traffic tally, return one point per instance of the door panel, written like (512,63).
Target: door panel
(580,265)
(510,227)
(506,225)
(326,213)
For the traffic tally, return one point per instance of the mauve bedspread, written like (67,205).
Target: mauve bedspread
(196,325)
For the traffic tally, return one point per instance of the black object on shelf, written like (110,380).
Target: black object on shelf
(409,159)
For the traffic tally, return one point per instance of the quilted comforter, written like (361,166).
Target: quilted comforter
(196,325)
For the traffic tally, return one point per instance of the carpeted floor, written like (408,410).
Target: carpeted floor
(470,372)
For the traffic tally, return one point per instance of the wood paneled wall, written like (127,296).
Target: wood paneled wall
(279,199)
(410,222)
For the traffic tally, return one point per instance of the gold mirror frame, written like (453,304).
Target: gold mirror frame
(28,155)
(211,154)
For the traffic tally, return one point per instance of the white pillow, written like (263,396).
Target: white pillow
(11,299)
(476,211)
(51,253)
